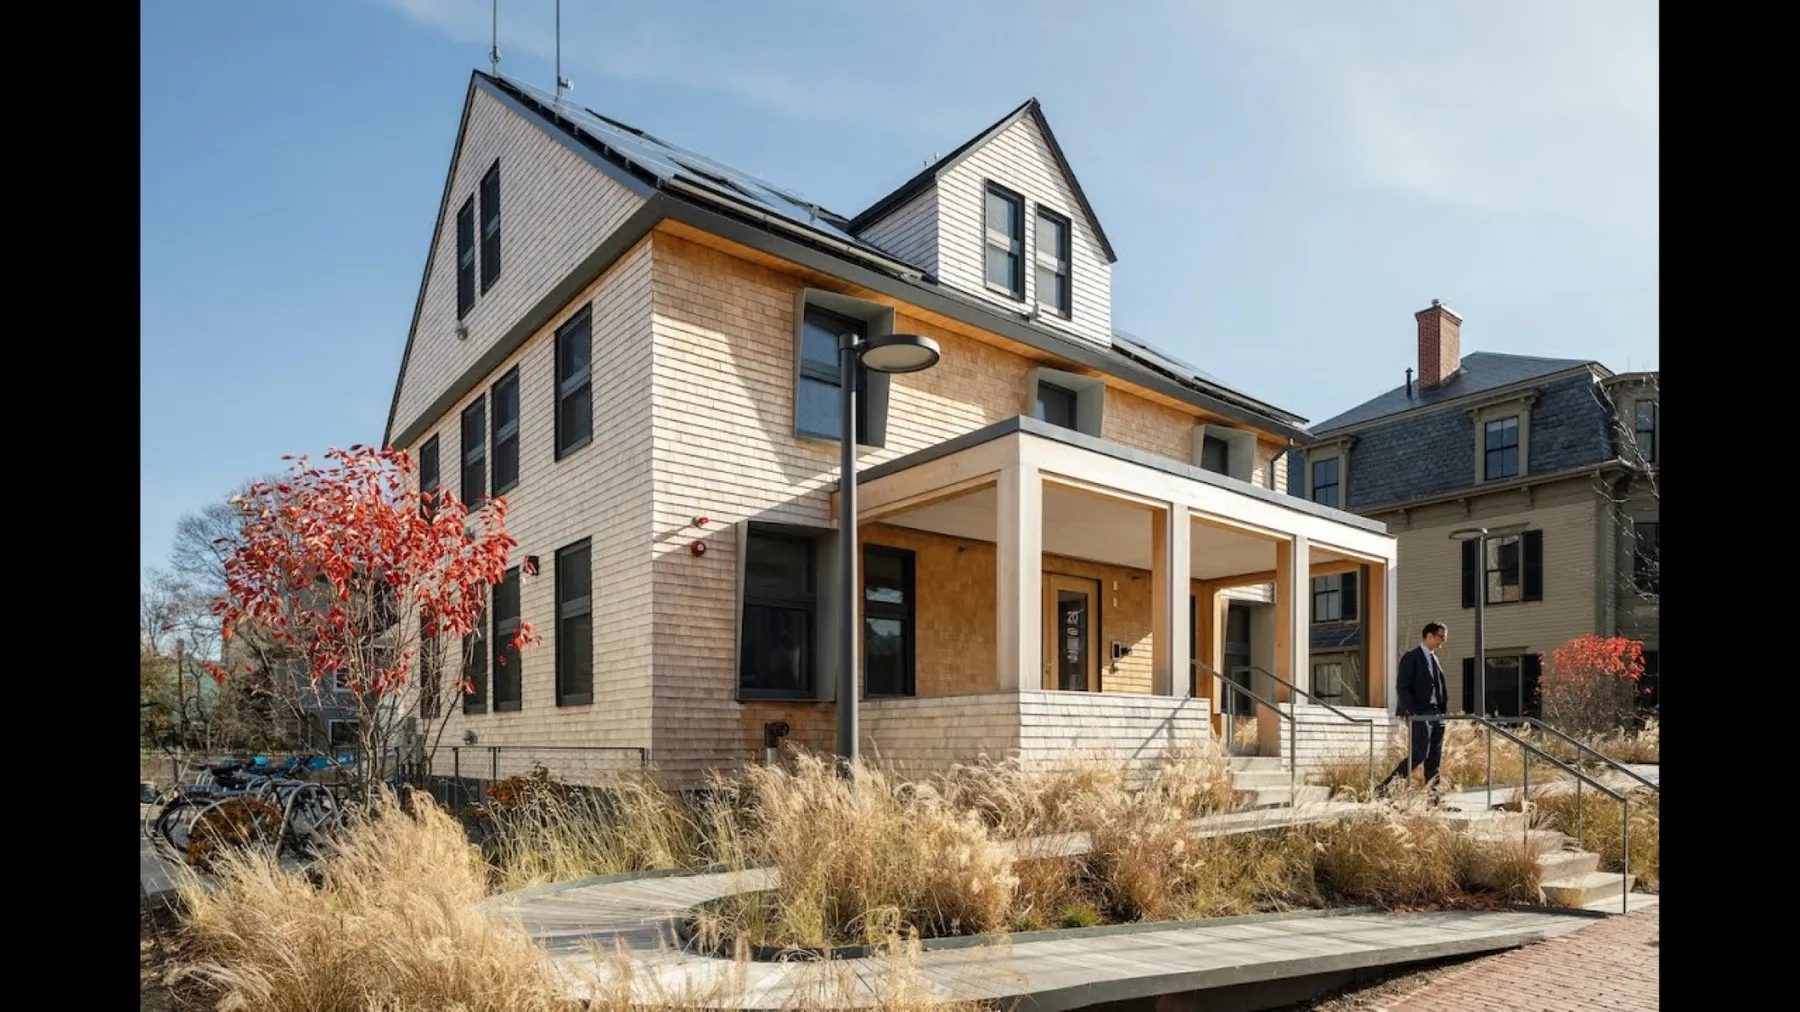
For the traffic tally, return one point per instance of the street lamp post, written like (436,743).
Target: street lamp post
(890,353)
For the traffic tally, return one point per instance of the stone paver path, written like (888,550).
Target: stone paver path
(1612,965)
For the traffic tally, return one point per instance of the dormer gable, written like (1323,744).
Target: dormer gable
(1003,218)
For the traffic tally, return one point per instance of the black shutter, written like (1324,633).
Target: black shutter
(1530,667)
(1468,690)
(1471,572)
(1534,565)
(1349,601)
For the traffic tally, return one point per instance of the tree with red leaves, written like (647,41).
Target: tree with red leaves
(1590,685)
(348,567)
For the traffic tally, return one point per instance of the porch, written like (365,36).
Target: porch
(1072,595)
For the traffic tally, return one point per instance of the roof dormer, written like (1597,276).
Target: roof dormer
(1003,218)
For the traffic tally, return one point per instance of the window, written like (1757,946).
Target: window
(506,432)
(1649,683)
(1339,681)
(475,671)
(474,453)
(507,674)
(1052,259)
(1055,404)
(574,626)
(343,733)
(428,478)
(888,629)
(574,384)
(1005,249)
(1334,598)
(1512,571)
(465,258)
(1325,482)
(1644,429)
(431,668)
(1646,557)
(490,228)
(1512,685)
(819,414)
(1502,449)
(775,648)
(1215,455)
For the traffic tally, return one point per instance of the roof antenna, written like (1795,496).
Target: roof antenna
(494,48)
(1409,382)
(562,83)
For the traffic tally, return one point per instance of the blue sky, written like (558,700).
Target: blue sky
(1284,183)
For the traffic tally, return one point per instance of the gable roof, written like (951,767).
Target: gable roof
(681,184)
(917,184)
(1479,372)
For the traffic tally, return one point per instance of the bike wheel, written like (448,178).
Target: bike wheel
(313,820)
(241,822)
(176,818)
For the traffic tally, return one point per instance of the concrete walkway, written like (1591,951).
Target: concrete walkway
(1048,970)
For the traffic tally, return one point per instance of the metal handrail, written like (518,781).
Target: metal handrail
(1528,749)
(1231,732)
(1292,688)
(1585,748)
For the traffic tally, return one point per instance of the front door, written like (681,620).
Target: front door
(1071,660)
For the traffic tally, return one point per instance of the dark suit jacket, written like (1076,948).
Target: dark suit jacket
(1413,684)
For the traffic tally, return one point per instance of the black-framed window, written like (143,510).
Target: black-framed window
(1500,444)
(1325,481)
(1334,598)
(1644,429)
(1055,404)
(474,660)
(490,227)
(1003,217)
(1650,682)
(508,676)
(506,432)
(1512,571)
(775,648)
(1215,455)
(574,625)
(1511,684)
(474,453)
(465,258)
(1646,557)
(819,413)
(431,669)
(1052,259)
(1340,681)
(429,477)
(343,733)
(574,383)
(889,632)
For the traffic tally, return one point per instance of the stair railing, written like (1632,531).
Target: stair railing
(1231,725)
(1527,750)
(1294,690)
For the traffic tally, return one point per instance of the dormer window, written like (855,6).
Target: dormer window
(1052,259)
(1501,444)
(1644,430)
(1005,248)
(1055,404)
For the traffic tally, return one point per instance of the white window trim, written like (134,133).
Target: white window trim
(1338,448)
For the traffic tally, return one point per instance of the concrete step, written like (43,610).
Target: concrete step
(1635,901)
(1485,822)
(1278,797)
(1543,842)
(1257,762)
(1568,864)
(1582,890)
(1249,780)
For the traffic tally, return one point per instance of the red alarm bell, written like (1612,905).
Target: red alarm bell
(698,547)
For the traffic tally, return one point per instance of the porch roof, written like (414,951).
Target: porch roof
(1056,433)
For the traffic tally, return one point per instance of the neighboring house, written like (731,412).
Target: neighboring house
(637,346)
(1562,453)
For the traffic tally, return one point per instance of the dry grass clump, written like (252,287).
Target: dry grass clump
(394,924)
(1600,829)
(553,833)
(858,866)
(1405,859)
(1642,747)
(1015,800)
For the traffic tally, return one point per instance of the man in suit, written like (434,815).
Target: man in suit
(1421,690)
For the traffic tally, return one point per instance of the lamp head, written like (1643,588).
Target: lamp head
(893,353)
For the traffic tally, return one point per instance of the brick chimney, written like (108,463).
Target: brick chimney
(1440,344)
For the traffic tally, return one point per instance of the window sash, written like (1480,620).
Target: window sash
(574,572)
(1645,557)
(1501,446)
(506,674)
(1325,481)
(1007,239)
(1644,431)
(1052,259)
(430,477)
(799,600)
(1505,570)
(474,453)
(574,427)
(1056,404)
(465,258)
(490,227)
(505,432)
(827,373)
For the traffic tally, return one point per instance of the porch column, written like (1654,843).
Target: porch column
(1018,587)
(1293,632)
(1390,611)
(1377,636)
(1209,631)
(1169,565)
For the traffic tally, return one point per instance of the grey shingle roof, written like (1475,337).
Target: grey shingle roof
(1480,371)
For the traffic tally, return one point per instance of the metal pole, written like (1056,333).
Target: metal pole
(1625,857)
(1580,829)
(559,78)
(1490,771)
(1525,790)
(1480,706)
(181,687)
(1371,759)
(847,552)
(494,49)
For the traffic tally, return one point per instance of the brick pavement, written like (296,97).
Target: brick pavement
(1611,965)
